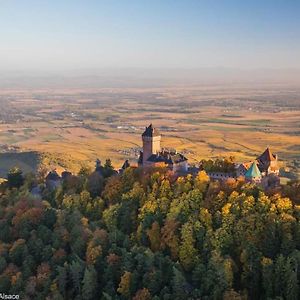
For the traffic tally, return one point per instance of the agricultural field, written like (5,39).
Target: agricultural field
(70,128)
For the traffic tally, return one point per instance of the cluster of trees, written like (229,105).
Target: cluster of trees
(225,165)
(147,235)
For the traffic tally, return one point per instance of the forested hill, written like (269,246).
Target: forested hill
(148,235)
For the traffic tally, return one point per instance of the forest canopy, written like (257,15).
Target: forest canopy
(148,235)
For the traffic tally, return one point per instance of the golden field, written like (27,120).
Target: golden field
(71,128)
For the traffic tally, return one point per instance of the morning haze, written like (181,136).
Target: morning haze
(68,35)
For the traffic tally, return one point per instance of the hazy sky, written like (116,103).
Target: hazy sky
(84,34)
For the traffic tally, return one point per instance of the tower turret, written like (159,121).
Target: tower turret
(151,142)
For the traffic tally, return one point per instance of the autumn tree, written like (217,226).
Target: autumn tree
(142,294)
(125,284)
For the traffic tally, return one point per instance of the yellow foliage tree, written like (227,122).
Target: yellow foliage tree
(92,253)
(124,285)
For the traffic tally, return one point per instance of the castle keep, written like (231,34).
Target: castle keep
(153,156)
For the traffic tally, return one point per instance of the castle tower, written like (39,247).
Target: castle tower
(151,142)
(268,162)
(253,173)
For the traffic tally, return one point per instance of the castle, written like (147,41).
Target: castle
(153,156)
(264,170)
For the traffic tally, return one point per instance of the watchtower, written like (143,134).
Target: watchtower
(151,142)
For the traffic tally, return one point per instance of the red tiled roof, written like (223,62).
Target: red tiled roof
(247,165)
(267,156)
